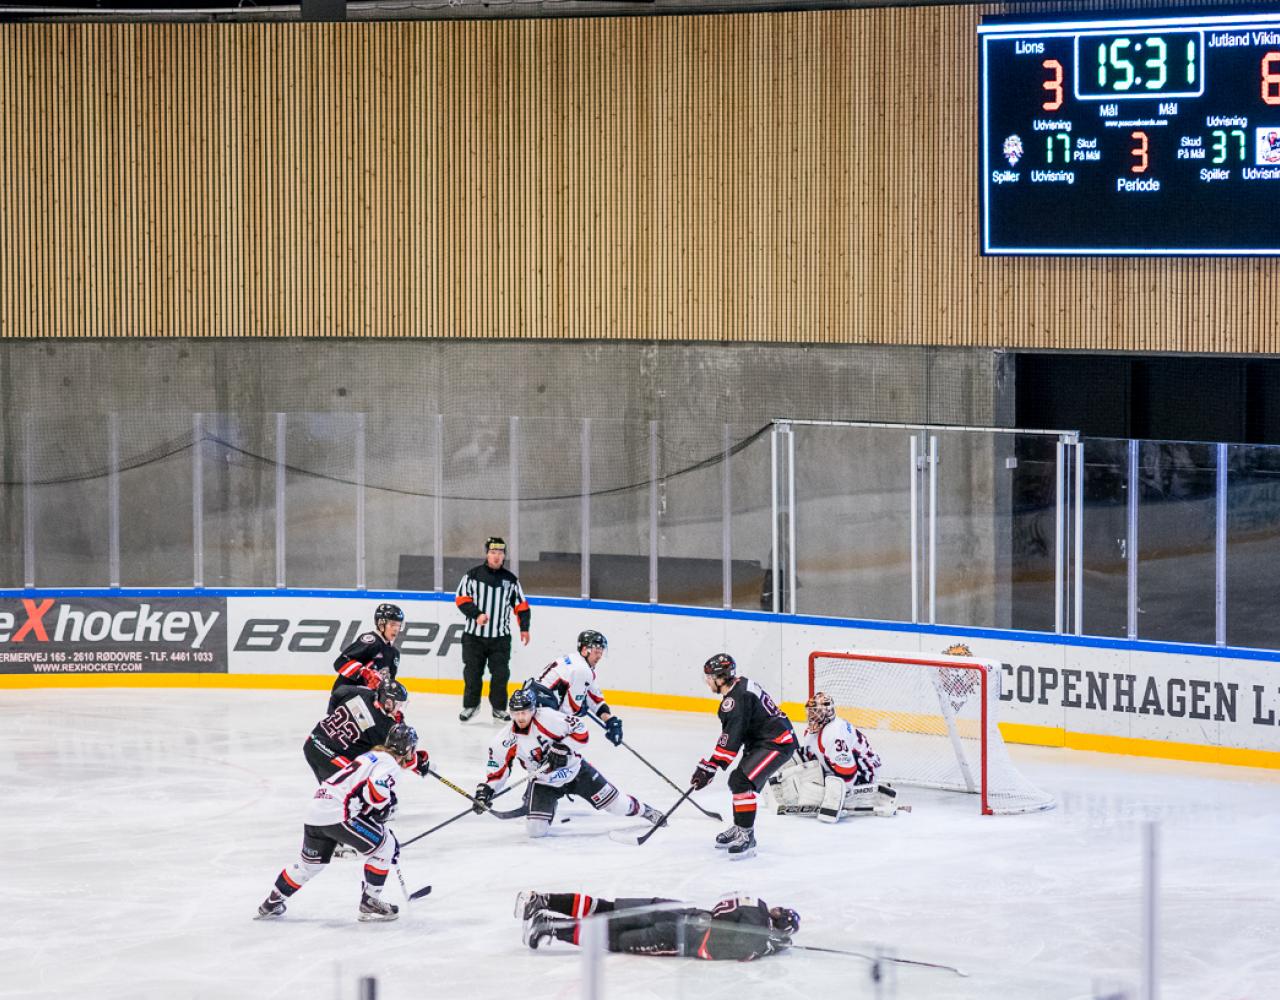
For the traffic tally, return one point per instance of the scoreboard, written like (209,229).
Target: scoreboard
(1129,136)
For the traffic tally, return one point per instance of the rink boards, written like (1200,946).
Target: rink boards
(1153,699)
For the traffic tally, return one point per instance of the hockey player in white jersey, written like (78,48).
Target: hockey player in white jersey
(353,807)
(835,774)
(546,743)
(569,684)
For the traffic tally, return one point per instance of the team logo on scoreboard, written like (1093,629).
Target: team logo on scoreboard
(1012,150)
(1268,143)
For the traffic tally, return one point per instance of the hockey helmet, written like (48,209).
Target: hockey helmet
(819,710)
(390,694)
(784,919)
(387,613)
(401,741)
(721,666)
(591,639)
(495,542)
(521,700)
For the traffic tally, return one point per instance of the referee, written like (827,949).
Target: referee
(487,595)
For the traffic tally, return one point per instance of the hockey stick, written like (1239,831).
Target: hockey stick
(883,958)
(706,812)
(623,837)
(467,812)
(500,813)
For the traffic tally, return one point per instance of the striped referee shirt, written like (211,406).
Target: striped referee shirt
(493,592)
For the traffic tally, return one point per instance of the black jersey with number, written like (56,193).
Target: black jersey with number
(737,929)
(749,720)
(369,650)
(355,726)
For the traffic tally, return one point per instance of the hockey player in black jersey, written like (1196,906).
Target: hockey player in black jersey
(372,658)
(360,722)
(738,928)
(752,723)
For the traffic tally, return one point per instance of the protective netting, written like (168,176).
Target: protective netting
(923,716)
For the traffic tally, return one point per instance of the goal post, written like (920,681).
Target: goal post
(934,721)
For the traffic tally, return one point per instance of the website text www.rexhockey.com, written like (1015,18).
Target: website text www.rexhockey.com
(127,666)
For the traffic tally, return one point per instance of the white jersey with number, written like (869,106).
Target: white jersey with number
(842,751)
(363,785)
(573,681)
(549,731)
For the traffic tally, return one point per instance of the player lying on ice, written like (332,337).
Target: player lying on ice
(545,742)
(352,808)
(836,773)
(738,928)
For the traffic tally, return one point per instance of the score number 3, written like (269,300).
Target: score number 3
(1139,152)
(1054,84)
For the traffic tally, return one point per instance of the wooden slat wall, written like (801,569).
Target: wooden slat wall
(801,177)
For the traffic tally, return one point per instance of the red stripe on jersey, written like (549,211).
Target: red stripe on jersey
(350,668)
(339,761)
(844,772)
(522,606)
(744,802)
(545,731)
(577,932)
(285,875)
(721,754)
(788,737)
(751,775)
(581,737)
(376,871)
(573,704)
(595,697)
(511,752)
(373,790)
(462,599)
(702,948)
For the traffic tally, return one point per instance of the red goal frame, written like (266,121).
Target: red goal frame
(925,661)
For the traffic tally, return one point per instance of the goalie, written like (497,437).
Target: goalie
(835,774)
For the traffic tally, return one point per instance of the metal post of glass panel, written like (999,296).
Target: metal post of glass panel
(513,505)
(437,514)
(586,508)
(1078,568)
(280,499)
(773,520)
(792,582)
(1220,551)
(653,512)
(1059,529)
(28,503)
(915,529)
(726,519)
(1150,907)
(1131,543)
(197,500)
(933,529)
(361,579)
(113,499)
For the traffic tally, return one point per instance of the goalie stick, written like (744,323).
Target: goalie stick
(706,812)
(636,839)
(882,958)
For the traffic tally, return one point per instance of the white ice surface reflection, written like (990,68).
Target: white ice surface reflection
(144,826)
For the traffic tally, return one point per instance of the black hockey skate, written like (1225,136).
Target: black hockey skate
(743,846)
(726,837)
(651,814)
(372,908)
(540,928)
(501,715)
(467,714)
(271,907)
(528,903)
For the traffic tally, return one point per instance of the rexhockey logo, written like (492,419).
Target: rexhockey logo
(43,620)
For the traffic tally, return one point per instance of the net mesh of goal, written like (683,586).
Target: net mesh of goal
(933,721)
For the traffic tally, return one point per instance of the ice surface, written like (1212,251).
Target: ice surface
(144,827)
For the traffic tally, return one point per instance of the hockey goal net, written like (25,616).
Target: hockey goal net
(933,721)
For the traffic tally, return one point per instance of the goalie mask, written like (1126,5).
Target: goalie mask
(819,710)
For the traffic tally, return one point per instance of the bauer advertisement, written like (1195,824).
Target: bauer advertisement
(105,635)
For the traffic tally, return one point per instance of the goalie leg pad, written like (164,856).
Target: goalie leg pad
(833,794)
(799,785)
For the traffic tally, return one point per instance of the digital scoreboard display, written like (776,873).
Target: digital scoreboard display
(1131,136)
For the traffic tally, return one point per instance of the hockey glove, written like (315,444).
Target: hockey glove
(423,764)
(484,795)
(399,716)
(703,774)
(370,678)
(556,759)
(613,730)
